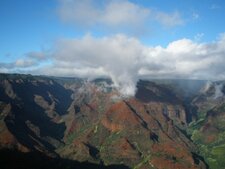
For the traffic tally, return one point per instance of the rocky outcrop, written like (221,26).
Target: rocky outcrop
(90,121)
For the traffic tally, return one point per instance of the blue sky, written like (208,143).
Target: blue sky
(123,39)
(28,25)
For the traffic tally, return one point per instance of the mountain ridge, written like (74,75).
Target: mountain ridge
(92,122)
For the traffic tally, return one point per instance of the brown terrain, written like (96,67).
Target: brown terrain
(83,124)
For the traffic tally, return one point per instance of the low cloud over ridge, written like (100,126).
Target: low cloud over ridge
(126,60)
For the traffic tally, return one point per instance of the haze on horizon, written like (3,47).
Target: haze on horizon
(122,39)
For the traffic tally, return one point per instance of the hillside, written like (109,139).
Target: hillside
(90,122)
(208,130)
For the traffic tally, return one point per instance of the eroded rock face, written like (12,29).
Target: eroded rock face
(90,121)
(32,117)
(129,131)
(208,129)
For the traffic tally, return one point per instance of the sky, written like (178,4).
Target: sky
(125,40)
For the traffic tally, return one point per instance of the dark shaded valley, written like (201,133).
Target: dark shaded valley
(53,122)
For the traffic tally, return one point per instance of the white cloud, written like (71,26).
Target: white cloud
(114,14)
(116,56)
(198,37)
(31,60)
(124,13)
(169,19)
(19,63)
(24,63)
(126,59)
(36,55)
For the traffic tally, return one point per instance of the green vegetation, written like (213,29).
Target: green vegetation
(221,108)
(212,150)
(215,156)
(109,140)
(96,129)
(145,160)
(74,135)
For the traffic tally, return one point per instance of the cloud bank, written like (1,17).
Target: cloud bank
(126,59)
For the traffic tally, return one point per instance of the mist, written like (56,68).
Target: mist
(126,60)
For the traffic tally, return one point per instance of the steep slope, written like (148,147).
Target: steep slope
(31,110)
(81,120)
(140,132)
(185,88)
(208,131)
